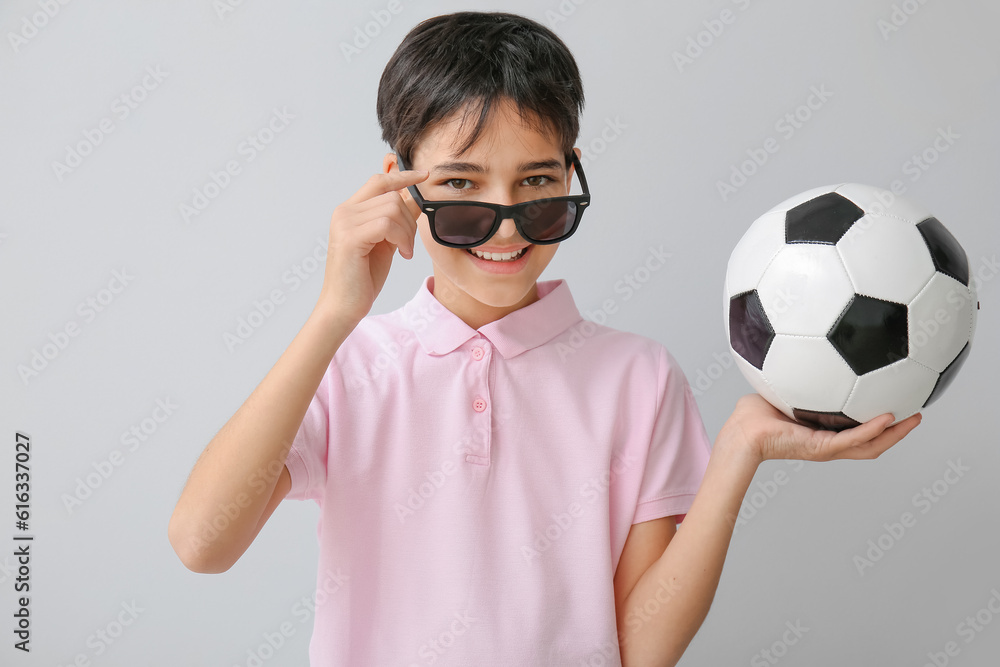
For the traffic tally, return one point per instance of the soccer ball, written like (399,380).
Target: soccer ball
(846,302)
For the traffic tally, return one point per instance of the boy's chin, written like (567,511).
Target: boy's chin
(496,290)
(506,292)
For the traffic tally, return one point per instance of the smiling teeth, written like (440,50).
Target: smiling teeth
(499,256)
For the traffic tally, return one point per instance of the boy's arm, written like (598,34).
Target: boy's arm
(241,476)
(233,487)
(681,583)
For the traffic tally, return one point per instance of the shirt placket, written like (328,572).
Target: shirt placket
(480,401)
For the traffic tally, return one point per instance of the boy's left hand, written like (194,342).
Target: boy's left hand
(770,434)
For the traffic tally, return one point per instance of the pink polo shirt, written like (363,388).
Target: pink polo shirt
(476,486)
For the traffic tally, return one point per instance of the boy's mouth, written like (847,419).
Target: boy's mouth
(497,256)
(500,262)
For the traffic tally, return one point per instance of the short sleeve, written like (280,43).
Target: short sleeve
(679,448)
(306,461)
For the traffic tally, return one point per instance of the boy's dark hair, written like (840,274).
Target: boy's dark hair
(479,58)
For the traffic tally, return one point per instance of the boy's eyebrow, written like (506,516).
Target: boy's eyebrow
(476,168)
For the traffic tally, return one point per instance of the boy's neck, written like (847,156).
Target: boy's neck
(469,309)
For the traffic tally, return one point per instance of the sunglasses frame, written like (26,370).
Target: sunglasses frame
(502,212)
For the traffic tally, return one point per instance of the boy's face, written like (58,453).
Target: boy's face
(493,170)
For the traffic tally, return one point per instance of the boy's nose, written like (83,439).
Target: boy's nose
(507,230)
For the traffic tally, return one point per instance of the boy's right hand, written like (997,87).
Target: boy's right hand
(365,232)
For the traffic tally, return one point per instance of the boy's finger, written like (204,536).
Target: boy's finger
(402,239)
(863,433)
(389,182)
(884,440)
(407,197)
(410,203)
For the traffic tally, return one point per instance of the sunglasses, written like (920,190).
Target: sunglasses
(466,224)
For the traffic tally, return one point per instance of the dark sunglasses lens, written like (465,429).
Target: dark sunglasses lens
(463,224)
(548,221)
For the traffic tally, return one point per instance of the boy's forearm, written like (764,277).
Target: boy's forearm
(226,493)
(668,604)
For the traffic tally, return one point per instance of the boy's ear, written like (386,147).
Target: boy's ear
(389,163)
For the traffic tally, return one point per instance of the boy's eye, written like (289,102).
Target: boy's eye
(451,181)
(534,181)
(538,181)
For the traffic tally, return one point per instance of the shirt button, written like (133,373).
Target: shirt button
(479,405)
(477,353)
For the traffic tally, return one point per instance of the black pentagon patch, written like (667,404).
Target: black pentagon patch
(870,333)
(750,333)
(824,219)
(948,255)
(948,374)
(826,421)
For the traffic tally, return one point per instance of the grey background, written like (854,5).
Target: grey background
(654,182)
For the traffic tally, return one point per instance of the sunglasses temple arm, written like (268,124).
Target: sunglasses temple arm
(580,174)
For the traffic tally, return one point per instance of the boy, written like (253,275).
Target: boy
(485,499)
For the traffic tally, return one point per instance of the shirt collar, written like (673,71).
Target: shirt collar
(441,331)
